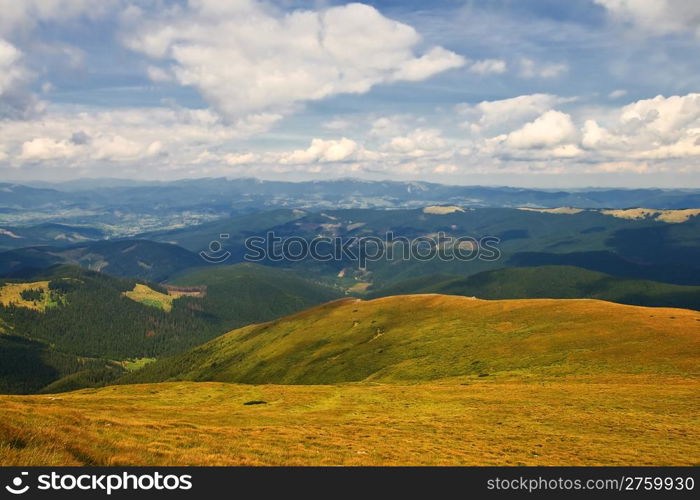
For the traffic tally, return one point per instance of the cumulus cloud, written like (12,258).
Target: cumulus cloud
(245,57)
(125,135)
(46,148)
(418,143)
(657,16)
(506,114)
(657,128)
(327,151)
(18,19)
(16,101)
(552,128)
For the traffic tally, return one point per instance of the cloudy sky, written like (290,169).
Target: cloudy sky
(509,92)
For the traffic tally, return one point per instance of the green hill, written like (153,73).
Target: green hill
(555,282)
(427,337)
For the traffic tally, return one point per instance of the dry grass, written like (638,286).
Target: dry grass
(442,210)
(10,293)
(603,420)
(670,216)
(148,296)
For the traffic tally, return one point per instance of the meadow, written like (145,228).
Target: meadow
(411,380)
(597,420)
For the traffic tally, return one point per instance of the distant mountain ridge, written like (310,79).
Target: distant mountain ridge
(248,193)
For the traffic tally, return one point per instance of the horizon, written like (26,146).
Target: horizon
(127,180)
(538,94)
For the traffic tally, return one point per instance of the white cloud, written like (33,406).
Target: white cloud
(435,61)
(234,159)
(488,67)
(46,148)
(506,114)
(172,137)
(10,71)
(445,168)
(17,19)
(552,128)
(326,151)
(657,16)
(418,143)
(24,15)
(245,57)
(16,100)
(533,69)
(657,128)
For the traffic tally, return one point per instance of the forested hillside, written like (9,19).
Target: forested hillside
(555,282)
(70,320)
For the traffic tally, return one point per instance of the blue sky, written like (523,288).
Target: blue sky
(530,93)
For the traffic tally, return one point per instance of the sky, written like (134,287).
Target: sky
(536,93)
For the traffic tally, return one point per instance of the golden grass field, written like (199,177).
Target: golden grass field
(616,420)
(419,380)
(10,294)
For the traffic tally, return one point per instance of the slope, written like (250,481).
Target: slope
(68,313)
(242,294)
(428,337)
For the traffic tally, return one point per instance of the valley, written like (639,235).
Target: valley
(578,345)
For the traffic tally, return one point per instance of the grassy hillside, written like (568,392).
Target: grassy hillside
(410,380)
(427,337)
(629,420)
(562,282)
